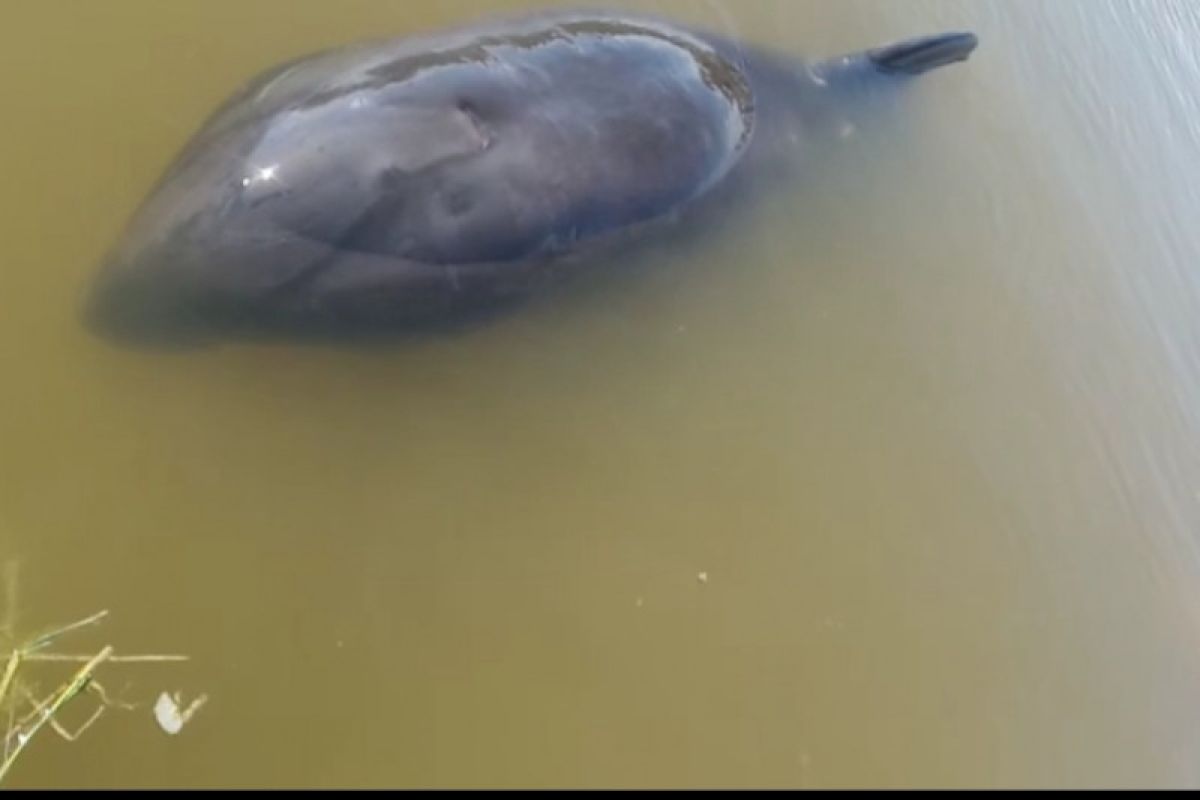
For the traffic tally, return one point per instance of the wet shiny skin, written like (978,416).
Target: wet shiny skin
(415,181)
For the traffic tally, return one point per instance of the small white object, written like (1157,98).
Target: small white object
(702,577)
(171,715)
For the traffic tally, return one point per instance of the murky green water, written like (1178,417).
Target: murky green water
(927,427)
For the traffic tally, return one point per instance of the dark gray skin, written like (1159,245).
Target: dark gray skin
(397,185)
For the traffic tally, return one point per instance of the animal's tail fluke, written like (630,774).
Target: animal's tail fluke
(915,56)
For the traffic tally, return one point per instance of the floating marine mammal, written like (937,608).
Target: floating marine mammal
(394,184)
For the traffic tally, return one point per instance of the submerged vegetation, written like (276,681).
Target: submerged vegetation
(27,713)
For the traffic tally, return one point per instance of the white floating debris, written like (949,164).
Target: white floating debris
(702,577)
(171,715)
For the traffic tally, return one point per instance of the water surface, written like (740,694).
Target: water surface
(895,482)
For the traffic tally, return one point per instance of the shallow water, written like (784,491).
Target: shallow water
(894,482)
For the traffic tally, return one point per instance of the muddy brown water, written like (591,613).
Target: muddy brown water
(894,483)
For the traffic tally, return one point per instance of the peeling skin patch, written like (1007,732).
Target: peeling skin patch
(717,71)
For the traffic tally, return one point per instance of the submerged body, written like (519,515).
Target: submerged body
(413,182)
